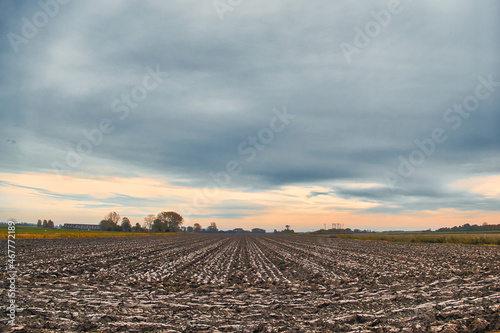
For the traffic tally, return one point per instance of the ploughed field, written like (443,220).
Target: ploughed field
(247,283)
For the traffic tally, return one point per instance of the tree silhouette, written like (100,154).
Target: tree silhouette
(126,226)
(137,228)
(172,221)
(158,226)
(212,227)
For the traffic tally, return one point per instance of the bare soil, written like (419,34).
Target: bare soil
(247,283)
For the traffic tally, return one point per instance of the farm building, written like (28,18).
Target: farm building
(81,226)
(258,231)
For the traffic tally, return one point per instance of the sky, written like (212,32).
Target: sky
(380,115)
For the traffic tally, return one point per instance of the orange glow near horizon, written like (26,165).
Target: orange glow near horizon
(32,196)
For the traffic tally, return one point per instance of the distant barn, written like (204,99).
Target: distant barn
(258,231)
(81,226)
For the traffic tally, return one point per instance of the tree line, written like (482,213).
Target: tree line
(111,222)
(468,227)
(45,224)
(162,222)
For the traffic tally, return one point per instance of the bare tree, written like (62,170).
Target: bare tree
(113,217)
(148,221)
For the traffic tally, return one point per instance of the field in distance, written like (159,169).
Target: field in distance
(38,232)
(466,238)
(253,283)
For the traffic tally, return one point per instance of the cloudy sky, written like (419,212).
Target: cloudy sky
(375,114)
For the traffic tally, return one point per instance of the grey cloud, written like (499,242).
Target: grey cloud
(352,120)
